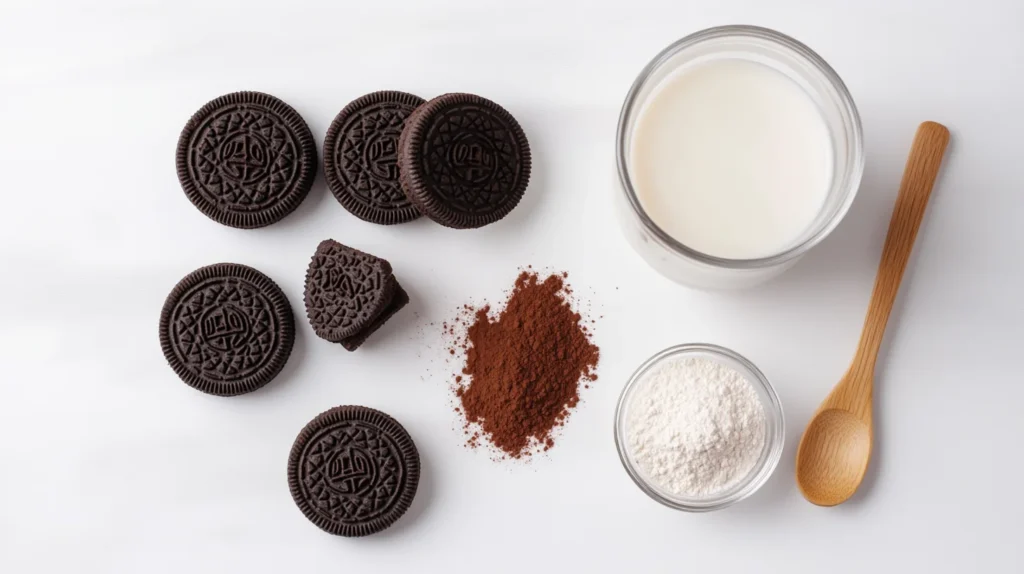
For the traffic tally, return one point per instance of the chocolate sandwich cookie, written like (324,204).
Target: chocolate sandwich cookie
(361,157)
(226,329)
(246,159)
(463,160)
(350,294)
(353,471)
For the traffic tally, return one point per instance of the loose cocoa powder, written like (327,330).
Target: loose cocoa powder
(523,369)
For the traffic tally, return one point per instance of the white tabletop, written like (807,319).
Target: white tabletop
(109,464)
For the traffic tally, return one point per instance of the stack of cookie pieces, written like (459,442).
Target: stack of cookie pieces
(350,294)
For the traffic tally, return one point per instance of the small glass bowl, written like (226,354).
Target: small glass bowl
(774,431)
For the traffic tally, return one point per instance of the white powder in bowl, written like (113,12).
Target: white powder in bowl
(695,426)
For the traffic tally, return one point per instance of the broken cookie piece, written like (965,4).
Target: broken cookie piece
(350,294)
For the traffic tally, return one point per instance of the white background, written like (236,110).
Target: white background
(109,464)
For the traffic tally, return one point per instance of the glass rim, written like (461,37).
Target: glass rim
(760,33)
(757,476)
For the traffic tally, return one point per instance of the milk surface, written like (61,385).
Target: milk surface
(731,158)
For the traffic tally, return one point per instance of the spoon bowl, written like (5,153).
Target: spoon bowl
(828,480)
(836,447)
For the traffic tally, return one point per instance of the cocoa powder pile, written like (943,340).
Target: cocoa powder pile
(523,369)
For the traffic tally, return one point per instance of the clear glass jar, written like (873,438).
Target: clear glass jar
(798,62)
(774,439)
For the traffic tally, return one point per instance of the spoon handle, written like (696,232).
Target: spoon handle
(915,189)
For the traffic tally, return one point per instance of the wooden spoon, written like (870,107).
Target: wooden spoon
(836,446)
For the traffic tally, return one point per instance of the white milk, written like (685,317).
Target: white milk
(732,159)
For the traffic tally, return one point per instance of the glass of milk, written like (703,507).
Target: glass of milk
(738,150)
